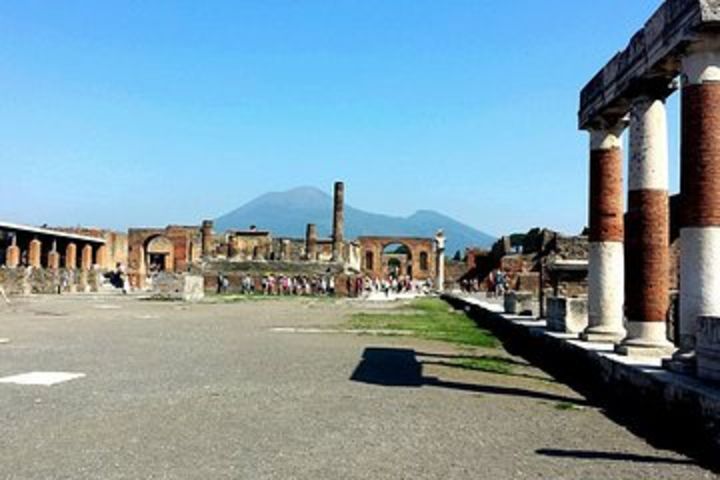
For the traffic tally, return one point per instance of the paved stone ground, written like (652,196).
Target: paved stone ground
(212,391)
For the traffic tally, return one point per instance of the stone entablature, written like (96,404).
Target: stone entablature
(652,57)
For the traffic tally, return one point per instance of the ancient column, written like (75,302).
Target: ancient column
(647,231)
(440,243)
(102,258)
(35,253)
(311,242)
(54,257)
(605,256)
(86,259)
(700,193)
(338,222)
(71,256)
(287,250)
(12,255)
(208,241)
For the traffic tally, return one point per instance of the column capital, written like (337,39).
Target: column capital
(606,133)
(648,90)
(701,61)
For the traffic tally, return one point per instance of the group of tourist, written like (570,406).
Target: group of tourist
(396,285)
(280,285)
(496,284)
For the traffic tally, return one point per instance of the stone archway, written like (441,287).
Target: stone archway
(416,259)
(159,254)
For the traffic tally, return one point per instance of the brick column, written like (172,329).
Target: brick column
(605,256)
(700,193)
(311,242)
(35,253)
(208,241)
(71,256)
(647,233)
(54,257)
(86,259)
(338,236)
(12,255)
(102,258)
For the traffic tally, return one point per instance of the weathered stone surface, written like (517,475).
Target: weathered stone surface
(178,286)
(567,315)
(708,348)
(522,303)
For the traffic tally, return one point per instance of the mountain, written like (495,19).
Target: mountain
(287,213)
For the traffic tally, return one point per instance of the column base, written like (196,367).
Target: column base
(646,339)
(645,350)
(601,337)
(682,362)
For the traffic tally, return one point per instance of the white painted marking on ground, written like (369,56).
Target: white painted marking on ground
(41,378)
(104,306)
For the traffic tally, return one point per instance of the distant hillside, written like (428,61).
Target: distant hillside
(287,214)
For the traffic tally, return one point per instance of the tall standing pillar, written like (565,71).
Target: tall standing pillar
(311,242)
(71,256)
(440,244)
(208,240)
(700,193)
(605,256)
(86,259)
(12,255)
(54,257)
(35,253)
(338,237)
(102,259)
(647,232)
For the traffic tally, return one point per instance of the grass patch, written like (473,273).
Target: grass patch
(430,319)
(488,364)
(565,406)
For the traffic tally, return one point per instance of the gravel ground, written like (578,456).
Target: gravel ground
(212,391)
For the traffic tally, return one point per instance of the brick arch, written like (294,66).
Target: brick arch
(418,247)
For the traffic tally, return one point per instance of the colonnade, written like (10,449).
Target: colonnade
(90,255)
(629,258)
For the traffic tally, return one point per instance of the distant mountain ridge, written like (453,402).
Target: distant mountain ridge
(286,214)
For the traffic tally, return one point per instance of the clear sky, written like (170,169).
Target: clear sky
(121,113)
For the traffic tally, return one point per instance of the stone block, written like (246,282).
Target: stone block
(176,286)
(708,348)
(522,303)
(567,315)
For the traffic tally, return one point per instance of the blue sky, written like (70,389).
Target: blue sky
(147,113)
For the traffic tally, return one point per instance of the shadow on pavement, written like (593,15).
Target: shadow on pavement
(399,367)
(613,456)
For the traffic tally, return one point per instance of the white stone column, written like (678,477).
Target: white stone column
(700,192)
(647,233)
(440,242)
(605,256)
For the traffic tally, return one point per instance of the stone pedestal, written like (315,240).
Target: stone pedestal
(567,315)
(708,348)
(521,303)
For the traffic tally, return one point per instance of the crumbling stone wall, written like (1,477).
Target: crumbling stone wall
(26,281)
